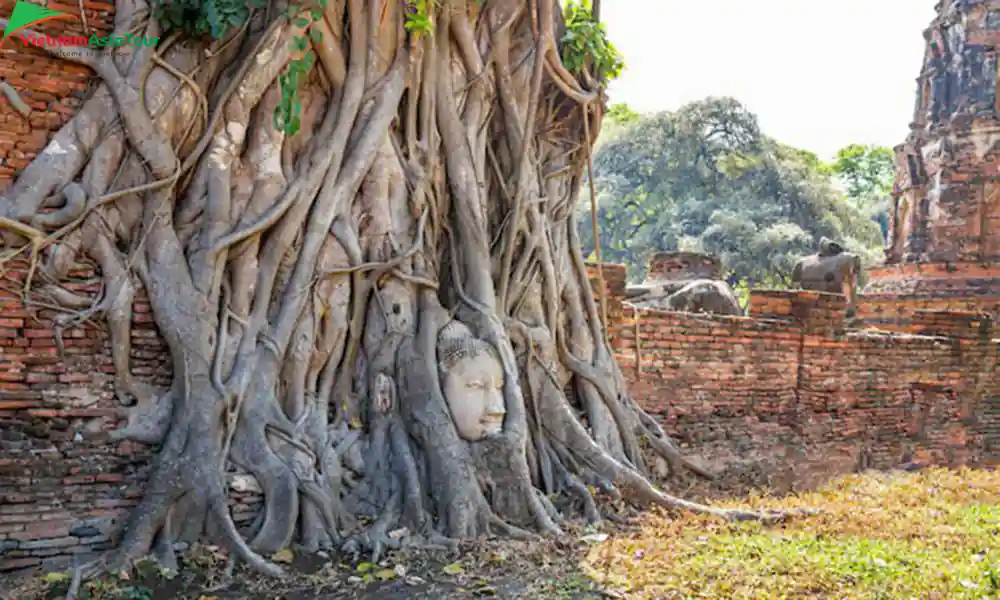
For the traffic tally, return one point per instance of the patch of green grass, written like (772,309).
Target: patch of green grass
(803,564)
(929,535)
(569,586)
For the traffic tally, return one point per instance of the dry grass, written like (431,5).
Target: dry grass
(934,534)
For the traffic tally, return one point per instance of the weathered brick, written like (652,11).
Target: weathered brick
(78,479)
(14,564)
(42,530)
(36,377)
(75,378)
(62,542)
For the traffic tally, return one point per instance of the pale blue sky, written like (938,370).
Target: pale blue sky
(820,74)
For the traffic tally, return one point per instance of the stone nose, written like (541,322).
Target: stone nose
(494,403)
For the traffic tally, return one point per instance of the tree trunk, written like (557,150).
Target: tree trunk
(320,289)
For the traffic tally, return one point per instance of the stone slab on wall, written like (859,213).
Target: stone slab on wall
(960,280)
(897,314)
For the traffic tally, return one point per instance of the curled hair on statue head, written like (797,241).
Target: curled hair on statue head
(456,342)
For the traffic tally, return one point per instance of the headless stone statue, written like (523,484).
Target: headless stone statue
(830,270)
(907,192)
(694,292)
(472,382)
(704,295)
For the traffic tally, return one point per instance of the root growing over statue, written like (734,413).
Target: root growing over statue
(385,313)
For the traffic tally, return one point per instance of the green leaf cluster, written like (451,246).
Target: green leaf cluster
(585,44)
(418,19)
(622,114)
(288,114)
(205,17)
(866,170)
(866,173)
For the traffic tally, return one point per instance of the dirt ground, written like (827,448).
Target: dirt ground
(931,534)
(545,568)
(541,569)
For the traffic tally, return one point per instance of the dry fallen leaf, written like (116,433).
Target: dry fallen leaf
(285,555)
(57,577)
(386,574)
(453,569)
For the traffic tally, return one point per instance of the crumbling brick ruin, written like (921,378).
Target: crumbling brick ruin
(944,246)
(786,396)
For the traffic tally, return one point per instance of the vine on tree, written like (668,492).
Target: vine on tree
(289,110)
(287,115)
(585,42)
(418,19)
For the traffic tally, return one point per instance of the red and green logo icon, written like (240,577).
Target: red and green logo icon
(27,14)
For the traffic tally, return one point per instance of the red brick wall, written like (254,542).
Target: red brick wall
(60,492)
(53,88)
(65,491)
(788,397)
(785,397)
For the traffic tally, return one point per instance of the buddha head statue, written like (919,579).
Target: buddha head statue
(472,382)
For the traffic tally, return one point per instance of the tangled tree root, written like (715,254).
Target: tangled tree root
(309,283)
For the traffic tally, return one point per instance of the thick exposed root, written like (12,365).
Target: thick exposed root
(383,317)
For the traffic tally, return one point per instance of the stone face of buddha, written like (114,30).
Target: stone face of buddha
(472,383)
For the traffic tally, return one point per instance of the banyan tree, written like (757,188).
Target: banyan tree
(353,222)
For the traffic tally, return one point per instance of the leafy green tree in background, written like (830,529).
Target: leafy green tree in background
(866,173)
(705,178)
(866,170)
(622,114)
